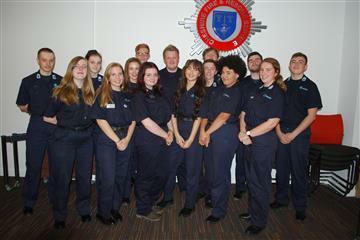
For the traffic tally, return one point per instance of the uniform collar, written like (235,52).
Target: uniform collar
(39,76)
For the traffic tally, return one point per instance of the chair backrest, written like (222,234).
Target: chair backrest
(327,129)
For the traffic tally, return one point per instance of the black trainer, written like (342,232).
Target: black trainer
(116,215)
(300,216)
(164,204)
(253,230)
(276,205)
(245,216)
(85,218)
(186,212)
(212,219)
(105,221)
(59,224)
(28,211)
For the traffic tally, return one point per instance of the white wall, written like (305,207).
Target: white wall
(115,27)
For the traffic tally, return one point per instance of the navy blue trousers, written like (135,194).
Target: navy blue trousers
(259,157)
(131,173)
(222,147)
(292,159)
(37,138)
(151,175)
(67,149)
(240,169)
(112,168)
(191,159)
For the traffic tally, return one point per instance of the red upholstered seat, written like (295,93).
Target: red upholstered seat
(327,129)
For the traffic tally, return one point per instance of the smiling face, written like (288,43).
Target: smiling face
(229,76)
(151,77)
(116,78)
(143,54)
(133,71)
(192,73)
(297,66)
(46,61)
(209,71)
(94,65)
(267,73)
(171,60)
(79,71)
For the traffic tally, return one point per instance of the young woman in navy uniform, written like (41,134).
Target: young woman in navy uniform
(132,67)
(186,122)
(113,115)
(219,130)
(95,60)
(71,143)
(33,97)
(302,103)
(153,135)
(262,112)
(210,72)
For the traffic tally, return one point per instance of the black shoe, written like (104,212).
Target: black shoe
(208,203)
(164,204)
(28,211)
(276,205)
(126,201)
(105,221)
(116,215)
(253,230)
(300,216)
(237,196)
(59,224)
(245,216)
(212,219)
(200,195)
(85,218)
(186,212)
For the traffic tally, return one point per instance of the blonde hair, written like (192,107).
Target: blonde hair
(67,90)
(278,79)
(104,91)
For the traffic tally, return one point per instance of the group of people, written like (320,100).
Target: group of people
(155,126)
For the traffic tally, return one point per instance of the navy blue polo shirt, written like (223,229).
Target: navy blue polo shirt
(170,81)
(117,113)
(223,99)
(186,106)
(263,104)
(75,115)
(300,96)
(247,87)
(97,81)
(151,105)
(36,91)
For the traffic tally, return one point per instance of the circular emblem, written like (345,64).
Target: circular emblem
(224,25)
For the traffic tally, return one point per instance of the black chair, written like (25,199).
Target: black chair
(325,159)
(14,139)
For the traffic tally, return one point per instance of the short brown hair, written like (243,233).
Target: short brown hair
(299,54)
(142,45)
(170,48)
(45,49)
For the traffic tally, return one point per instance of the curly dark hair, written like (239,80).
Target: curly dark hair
(235,63)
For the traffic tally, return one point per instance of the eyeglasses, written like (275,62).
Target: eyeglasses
(142,53)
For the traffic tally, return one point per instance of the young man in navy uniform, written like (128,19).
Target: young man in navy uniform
(247,85)
(170,76)
(301,105)
(33,98)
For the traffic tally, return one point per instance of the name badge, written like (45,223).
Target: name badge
(110,105)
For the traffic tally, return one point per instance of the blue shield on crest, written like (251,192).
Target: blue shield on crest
(224,23)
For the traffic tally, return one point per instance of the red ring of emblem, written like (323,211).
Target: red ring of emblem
(233,43)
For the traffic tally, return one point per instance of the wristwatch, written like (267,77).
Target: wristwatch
(248,133)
